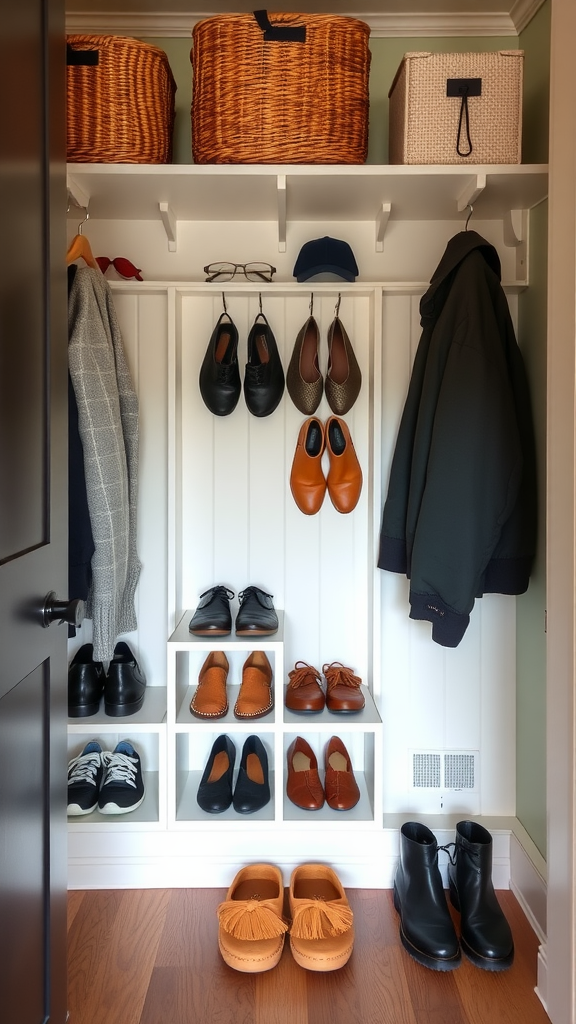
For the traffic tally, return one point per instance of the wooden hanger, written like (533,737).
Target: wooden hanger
(80,248)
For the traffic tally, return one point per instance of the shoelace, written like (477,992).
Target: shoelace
(120,768)
(223,591)
(447,850)
(301,673)
(225,372)
(336,674)
(256,374)
(251,592)
(84,768)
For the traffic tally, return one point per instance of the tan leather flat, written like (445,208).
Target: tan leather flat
(251,928)
(307,481)
(255,697)
(344,478)
(322,930)
(210,699)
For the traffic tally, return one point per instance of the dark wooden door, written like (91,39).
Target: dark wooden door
(33,512)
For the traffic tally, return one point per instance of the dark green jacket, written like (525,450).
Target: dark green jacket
(460,515)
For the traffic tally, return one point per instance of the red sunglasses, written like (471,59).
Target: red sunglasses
(124,267)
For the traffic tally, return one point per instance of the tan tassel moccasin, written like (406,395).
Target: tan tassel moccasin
(322,931)
(251,927)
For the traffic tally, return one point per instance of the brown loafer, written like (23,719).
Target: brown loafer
(343,689)
(343,376)
(341,787)
(303,786)
(322,931)
(304,693)
(210,699)
(303,378)
(344,478)
(251,928)
(255,697)
(307,481)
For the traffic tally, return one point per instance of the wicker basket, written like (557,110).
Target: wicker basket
(435,118)
(261,97)
(120,109)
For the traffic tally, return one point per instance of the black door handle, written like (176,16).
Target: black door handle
(55,610)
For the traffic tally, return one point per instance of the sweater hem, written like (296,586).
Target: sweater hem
(448,626)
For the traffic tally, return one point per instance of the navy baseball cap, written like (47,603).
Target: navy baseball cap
(325,256)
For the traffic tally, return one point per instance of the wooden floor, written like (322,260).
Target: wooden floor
(151,957)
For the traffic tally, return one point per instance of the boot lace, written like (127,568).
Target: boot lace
(448,849)
(336,674)
(84,768)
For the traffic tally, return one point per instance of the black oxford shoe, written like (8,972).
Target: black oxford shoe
(220,385)
(213,616)
(86,680)
(125,684)
(256,615)
(264,376)
(215,789)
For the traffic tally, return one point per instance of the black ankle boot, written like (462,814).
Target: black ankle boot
(486,937)
(426,929)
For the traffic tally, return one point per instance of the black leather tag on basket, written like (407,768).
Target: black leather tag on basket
(81,58)
(279,33)
(463,88)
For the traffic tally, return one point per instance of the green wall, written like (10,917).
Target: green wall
(531,607)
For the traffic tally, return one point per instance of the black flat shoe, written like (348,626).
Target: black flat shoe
(220,385)
(215,789)
(252,790)
(264,376)
(125,685)
(213,616)
(256,615)
(86,680)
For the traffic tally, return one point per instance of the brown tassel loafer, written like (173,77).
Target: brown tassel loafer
(344,478)
(304,693)
(210,699)
(343,689)
(255,698)
(322,931)
(303,786)
(307,481)
(341,787)
(251,928)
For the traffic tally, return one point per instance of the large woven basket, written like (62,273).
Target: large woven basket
(430,125)
(120,109)
(293,91)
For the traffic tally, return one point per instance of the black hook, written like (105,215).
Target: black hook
(260,302)
(311,302)
(337,310)
(224,302)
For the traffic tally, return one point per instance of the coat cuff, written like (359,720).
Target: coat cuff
(448,626)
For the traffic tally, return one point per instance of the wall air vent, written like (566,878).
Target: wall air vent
(445,770)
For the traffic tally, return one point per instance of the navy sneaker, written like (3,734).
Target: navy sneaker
(84,778)
(122,788)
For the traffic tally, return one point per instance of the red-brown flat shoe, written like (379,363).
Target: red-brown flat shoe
(344,478)
(304,693)
(303,786)
(341,787)
(343,689)
(255,698)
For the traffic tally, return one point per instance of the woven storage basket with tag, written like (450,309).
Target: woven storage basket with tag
(289,88)
(120,101)
(453,108)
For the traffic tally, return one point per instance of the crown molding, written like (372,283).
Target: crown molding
(180,24)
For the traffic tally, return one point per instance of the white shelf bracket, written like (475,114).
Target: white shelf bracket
(76,195)
(515,227)
(381,224)
(170,225)
(281,195)
(473,189)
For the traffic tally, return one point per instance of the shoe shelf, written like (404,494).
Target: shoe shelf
(151,746)
(190,739)
(152,714)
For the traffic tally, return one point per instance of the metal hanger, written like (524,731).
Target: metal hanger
(471,208)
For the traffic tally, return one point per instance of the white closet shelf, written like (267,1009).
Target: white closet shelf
(303,192)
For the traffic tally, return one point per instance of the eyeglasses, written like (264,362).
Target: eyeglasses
(251,271)
(124,267)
